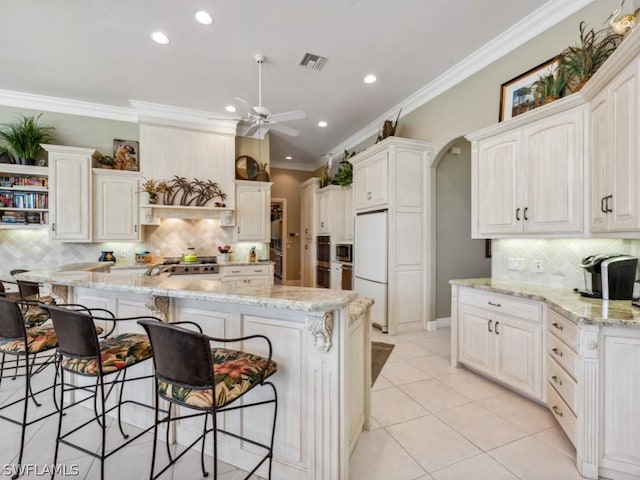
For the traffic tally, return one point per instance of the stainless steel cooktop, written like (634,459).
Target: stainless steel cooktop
(204,265)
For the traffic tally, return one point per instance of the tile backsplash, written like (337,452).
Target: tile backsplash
(560,258)
(31,249)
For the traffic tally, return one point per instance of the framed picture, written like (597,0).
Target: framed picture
(516,96)
(126,154)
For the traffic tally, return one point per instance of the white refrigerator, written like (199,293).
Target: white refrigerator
(370,263)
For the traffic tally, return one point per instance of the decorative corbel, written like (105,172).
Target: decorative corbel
(321,326)
(60,293)
(159,306)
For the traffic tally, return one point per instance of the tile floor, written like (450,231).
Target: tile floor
(429,422)
(434,422)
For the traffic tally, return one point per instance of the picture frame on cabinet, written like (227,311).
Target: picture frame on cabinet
(516,95)
(126,154)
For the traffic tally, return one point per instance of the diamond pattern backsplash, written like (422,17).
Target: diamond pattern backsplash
(30,249)
(560,258)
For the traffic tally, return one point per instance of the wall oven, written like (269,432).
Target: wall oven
(344,252)
(323,259)
(323,277)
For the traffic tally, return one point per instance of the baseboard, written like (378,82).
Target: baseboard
(291,283)
(434,325)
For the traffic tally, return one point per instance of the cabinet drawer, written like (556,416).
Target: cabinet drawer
(245,270)
(563,328)
(562,413)
(562,382)
(562,354)
(504,304)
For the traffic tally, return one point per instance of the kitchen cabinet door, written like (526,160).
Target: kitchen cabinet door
(600,118)
(349,218)
(115,206)
(70,211)
(552,150)
(308,207)
(253,203)
(371,181)
(308,264)
(497,166)
(476,339)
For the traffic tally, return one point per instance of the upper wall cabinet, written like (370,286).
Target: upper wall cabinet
(529,180)
(253,210)
(115,205)
(371,181)
(70,216)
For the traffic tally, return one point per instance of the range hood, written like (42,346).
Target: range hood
(152,214)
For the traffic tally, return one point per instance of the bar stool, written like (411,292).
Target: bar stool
(24,344)
(83,353)
(190,373)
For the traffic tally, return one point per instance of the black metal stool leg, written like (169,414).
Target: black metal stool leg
(168,430)
(29,374)
(103,427)
(124,378)
(27,392)
(2,369)
(204,437)
(214,417)
(55,455)
(273,428)
(155,432)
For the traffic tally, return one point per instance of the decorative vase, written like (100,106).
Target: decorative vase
(223,258)
(106,256)
(153,198)
(262,176)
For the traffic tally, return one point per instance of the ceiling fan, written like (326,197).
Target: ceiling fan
(258,119)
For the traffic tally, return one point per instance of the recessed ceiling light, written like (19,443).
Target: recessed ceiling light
(288,157)
(370,79)
(230,108)
(160,38)
(203,17)
(322,124)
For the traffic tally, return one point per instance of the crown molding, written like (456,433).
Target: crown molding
(182,117)
(545,17)
(66,105)
(289,165)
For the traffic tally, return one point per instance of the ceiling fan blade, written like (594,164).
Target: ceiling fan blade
(286,116)
(278,127)
(245,108)
(252,129)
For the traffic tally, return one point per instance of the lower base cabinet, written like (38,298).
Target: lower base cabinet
(237,275)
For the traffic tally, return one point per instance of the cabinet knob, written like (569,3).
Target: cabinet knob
(557,411)
(556,380)
(557,352)
(558,326)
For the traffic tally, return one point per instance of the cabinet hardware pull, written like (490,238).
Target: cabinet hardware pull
(602,209)
(257,270)
(496,328)
(135,228)
(53,227)
(238,228)
(557,380)
(518,214)
(557,352)
(557,411)
(607,198)
(489,326)
(558,326)
(524,213)
(235,271)
(494,304)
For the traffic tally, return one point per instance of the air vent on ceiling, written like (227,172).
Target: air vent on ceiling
(313,62)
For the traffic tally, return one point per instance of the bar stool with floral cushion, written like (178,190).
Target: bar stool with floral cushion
(83,353)
(191,373)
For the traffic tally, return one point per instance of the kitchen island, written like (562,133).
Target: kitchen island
(579,356)
(320,341)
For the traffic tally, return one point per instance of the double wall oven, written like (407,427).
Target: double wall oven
(323,261)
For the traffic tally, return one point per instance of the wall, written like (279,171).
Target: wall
(286,184)
(457,255)
(560,258)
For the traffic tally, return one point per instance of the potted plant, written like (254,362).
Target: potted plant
(344,175)
(581,61)
(24,137)
(153,188)
(550,87)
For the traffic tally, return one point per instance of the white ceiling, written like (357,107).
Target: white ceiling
(100,51)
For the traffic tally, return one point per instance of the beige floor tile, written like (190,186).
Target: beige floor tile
(408,350)
(480,467)
(530,459)
(402,372)
(472,385)
(392,405)
(483,427)
(381,383)
(373,423)
(379,457)
(432,443)
(527,415)
(434,395)
(434,365)
(438,346)
(555,437)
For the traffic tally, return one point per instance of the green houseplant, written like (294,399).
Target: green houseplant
(581,61)
(550,87)
(24,137)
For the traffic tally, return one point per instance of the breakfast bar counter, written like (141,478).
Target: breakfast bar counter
(320,341)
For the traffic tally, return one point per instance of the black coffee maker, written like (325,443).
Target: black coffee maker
(612,276)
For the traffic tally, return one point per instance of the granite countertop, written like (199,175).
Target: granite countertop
(92,275)
(589,311)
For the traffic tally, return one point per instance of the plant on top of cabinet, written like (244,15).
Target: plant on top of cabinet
(583,60)
(550,87)
(344,175)
(24,137)
(153,188)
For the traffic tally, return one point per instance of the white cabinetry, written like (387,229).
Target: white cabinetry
(308,209)
(371,181)
(501,337)
(528,179)
(115,206)
(70,183)
(394,175)
(253,203)
(614,154)
(237,275)
(348,215)
(331,212)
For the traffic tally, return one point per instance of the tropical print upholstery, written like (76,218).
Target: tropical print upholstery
(235,373)
(118,352)
(40,338)
(35,314)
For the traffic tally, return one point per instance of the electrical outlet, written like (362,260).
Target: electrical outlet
(538,266)
(124,253)
(515,264)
